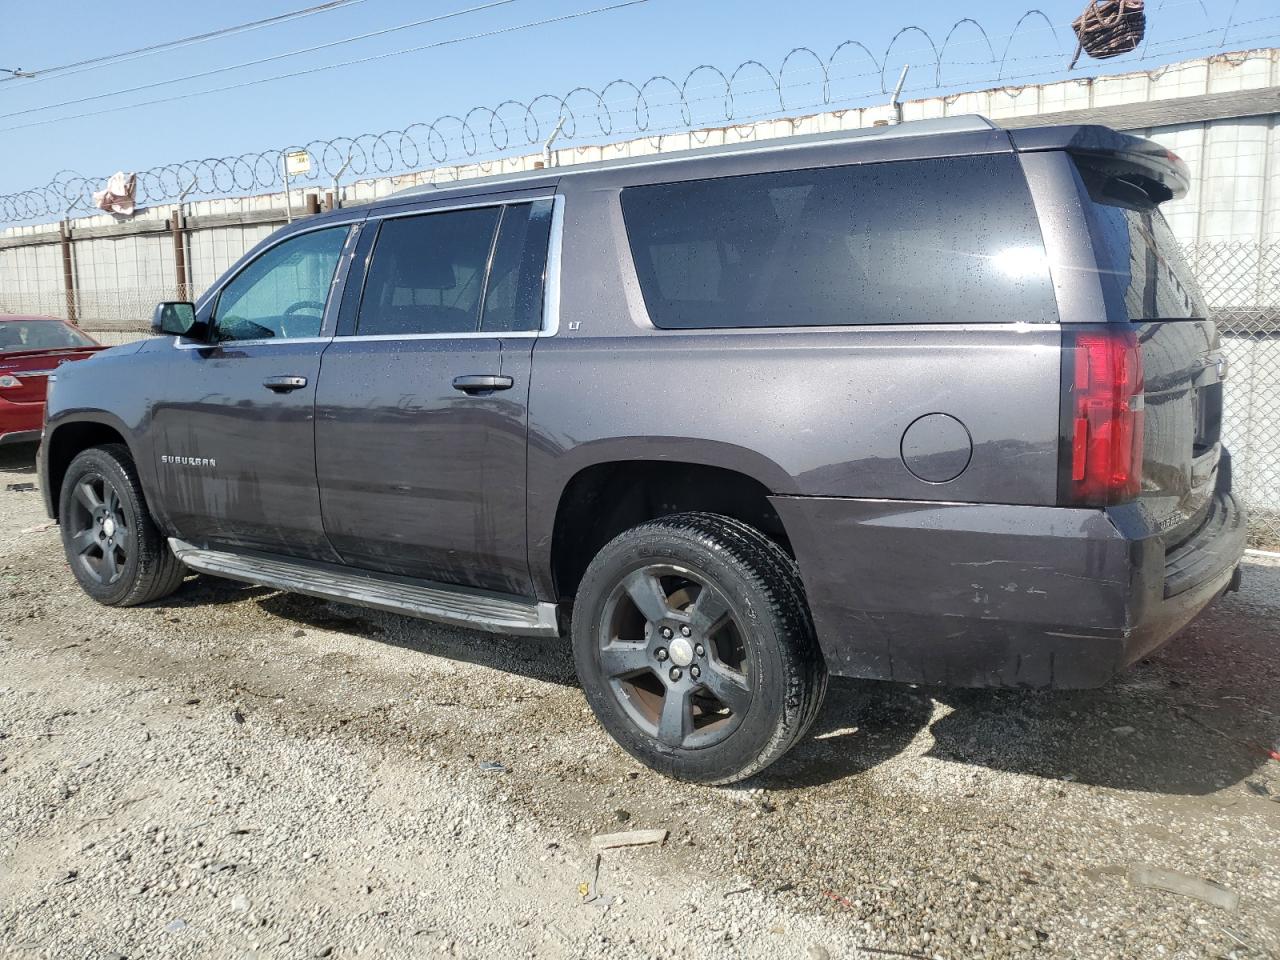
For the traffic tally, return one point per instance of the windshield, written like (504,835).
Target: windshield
(1140,258)
(18,335)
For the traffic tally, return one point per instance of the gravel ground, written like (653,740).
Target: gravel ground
(239,772)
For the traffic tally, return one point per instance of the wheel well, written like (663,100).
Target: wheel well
(603,500)
(66,443)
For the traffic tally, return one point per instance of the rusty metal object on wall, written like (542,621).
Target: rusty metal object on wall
(1108,28)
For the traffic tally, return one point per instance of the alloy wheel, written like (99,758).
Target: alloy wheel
(671,648)
(100,541)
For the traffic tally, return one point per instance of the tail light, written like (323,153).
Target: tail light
(1102,413)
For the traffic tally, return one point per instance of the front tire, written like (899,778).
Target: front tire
(695,647)
(112,545)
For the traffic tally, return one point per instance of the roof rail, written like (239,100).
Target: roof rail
(969,123)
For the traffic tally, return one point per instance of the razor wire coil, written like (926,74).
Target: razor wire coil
(620,106)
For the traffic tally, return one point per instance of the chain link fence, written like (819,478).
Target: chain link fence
(111,316)
(1241,283)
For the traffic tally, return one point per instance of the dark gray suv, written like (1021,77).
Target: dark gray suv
(935,403)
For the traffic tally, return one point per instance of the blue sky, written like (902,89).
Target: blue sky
(670,37)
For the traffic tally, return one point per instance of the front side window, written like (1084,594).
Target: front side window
(282,294)
(952,240)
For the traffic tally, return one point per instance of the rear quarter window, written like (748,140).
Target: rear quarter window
(1139,259)
(922,241)
(18,335)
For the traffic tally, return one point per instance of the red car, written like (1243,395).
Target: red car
(31,348)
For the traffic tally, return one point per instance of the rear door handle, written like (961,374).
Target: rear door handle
(482,383)
(284,384)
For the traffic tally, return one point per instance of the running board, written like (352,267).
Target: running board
(460,606)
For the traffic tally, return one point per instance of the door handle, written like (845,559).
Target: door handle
(284,384)
(482,383)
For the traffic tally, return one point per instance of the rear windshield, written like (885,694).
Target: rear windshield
(39,335)
(921,241)
(1143,271)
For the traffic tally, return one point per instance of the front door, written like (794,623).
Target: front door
(235,431)
(422,412)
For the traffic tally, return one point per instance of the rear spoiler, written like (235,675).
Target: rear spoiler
(1159,171)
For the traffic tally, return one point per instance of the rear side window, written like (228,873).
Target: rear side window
(922,241)
(1139,259)
(513,298)
(459,271)
(428,273)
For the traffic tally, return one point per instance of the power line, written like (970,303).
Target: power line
(332,66)
(332,4)
(255,63)
(81,66)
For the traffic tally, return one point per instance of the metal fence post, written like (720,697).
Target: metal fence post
(284,170)
(68,270)
(179,226)
(179,253)
(337,195)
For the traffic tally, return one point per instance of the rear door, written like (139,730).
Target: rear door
(1148,285)
(422,407)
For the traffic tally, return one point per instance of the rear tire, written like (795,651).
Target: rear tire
(695,647)
(113,546)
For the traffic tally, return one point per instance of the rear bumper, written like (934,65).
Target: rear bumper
(978,595)
(20,422)
(20,436)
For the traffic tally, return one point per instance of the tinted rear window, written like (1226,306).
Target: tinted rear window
(1140,260)
(18,335)
(922,241)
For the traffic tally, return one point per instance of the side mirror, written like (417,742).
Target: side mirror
(174,317)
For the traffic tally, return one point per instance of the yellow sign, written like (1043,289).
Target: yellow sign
(297,162)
